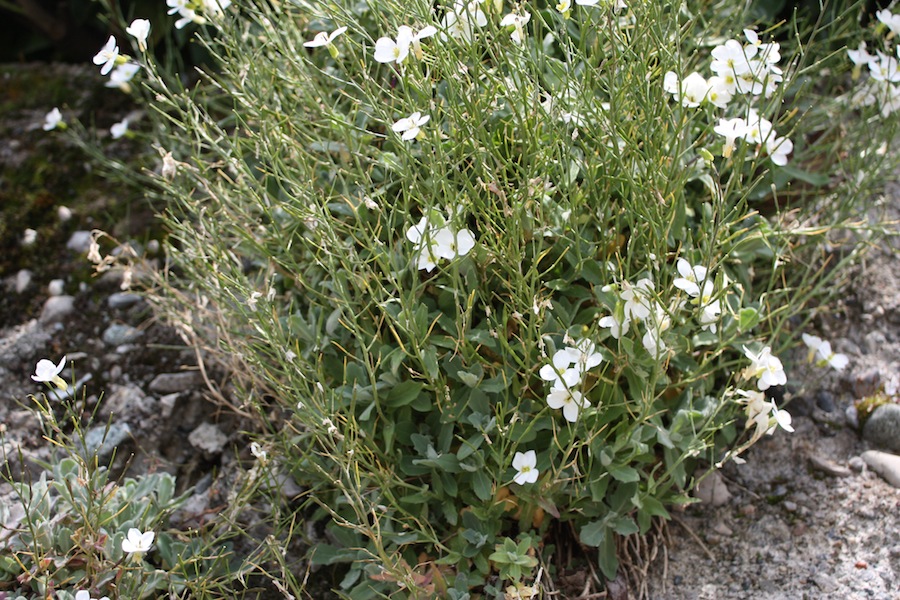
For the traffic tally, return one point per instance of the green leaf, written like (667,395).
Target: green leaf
(624,473)
(482,486)
(749,317)
(403,394)
(594,533)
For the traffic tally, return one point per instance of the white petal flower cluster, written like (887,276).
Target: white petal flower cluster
(882,86)
(820,353)
(762,413)
(757,131)
(461,21)
(637,303)
(565,371)
(751,69)
(434,242)
(196,11)
(697,285)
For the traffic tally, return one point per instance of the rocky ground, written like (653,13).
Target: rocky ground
(806,517)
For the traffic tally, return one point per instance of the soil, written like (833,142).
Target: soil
(789,528)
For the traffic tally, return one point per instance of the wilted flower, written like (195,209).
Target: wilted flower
(46,372)
(53,119)
(107,56)
(410,127)
(525,465)
(137,543)
(766,367)
(139,30)
(257,451)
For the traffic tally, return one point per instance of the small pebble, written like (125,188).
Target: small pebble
(57,308)
(861,564)
(857,464)
(829,468)
(23,280)
(79,241)
(64,213)
(790,506)
(122,300)
(825,400)
(748,510)
(56,287)
(118,334)
(29,237)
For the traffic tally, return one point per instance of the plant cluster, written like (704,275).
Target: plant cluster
(497,276)
(75,533)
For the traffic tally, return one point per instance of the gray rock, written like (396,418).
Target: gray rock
(824,465)
(79,241)
(208,437)
(57,308)
(886,465)
(712,490)
(169,383)
(826,583)
(56,287)
(118,334)
(883,427)
(825,400)
(103,441)
(122,400)
(857,464)
(122,300)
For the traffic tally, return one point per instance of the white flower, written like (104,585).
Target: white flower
(860,56)
(388,50)
(558,372)
(324,39)
(121,75)
(691,91)
(884,68)
(709,309)
(52,119)
(433,243)
(570,401)
(564,6)
(617,327)
(659,323)
(720,91)
(107,56)
(518,23)
(137,543)
(46,372)
(410,126)
(731,130)
(691,277)
(139,30)
(766,367)
(778,149)
(525,465)
(890,19)
(731,58)
(86,595)
(782,418)
(758,128)
(461,21)
(637,299)
(119,129)
(820,352)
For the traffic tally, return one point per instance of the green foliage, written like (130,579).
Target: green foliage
(564,232)
(64,530)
